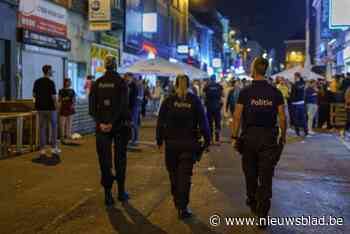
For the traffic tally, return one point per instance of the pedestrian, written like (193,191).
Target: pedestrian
(347,108)
(88,84)
(298,104)
(259,106)
(232,97)
(67,110)
(213,101)
(45,97)
(156,97)
(311,104)
(146,98)
(133,106)
(324,99)
(108,105)
(284,89)
(181,119)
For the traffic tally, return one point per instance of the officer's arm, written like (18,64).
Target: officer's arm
(161,123)
(203,122)
(124,103)
(237,119)
(282,122)
(92,101)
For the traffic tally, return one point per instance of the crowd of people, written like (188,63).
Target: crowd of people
(189,121)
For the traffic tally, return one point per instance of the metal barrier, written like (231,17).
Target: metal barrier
(7,121)
(338,115)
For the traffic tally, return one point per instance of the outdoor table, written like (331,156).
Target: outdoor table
(19,116)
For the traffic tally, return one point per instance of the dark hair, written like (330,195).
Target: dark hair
(46,69)
(66,81)
(90,77)
(260,65)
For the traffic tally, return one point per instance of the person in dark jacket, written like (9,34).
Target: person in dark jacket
(324,99)
(108,105)
(181,122)
(213,93)
(298,104)
(311,104)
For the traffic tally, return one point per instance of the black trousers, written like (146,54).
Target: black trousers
(179,166)
(258,162)
(324,115)
(214,119)
(104,150)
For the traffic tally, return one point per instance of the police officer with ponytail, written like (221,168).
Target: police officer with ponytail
(181,123)
(108,105)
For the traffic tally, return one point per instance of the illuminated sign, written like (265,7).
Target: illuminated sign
(182,49)
(216,62)
(150,23)
(340,16)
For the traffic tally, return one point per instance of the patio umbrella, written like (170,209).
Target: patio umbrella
(157,66)
(306,73)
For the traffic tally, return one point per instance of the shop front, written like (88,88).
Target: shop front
(98,54)
(42,33)
(79,56)
(8,52)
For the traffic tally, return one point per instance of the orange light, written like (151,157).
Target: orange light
(149,48)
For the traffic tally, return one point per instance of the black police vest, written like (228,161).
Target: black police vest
(108,105)
(181,122)
(213,96)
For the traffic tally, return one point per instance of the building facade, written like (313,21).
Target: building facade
(8,51)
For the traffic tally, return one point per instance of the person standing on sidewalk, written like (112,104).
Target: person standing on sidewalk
(311,104)
(298,104)
(67,110)
(108,105)
(44,93)
(213,101)
(259,105)
(284,89)
(181,119)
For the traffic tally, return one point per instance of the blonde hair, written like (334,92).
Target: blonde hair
(182,85)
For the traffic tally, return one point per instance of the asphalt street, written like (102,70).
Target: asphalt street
(312,179)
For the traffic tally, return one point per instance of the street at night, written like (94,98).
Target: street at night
(311,180)
(174,116)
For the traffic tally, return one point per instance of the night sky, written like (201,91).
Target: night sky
(270,22)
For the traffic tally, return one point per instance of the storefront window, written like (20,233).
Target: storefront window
(77,73)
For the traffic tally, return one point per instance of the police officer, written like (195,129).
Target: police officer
(259,105)
(109,108)
(213,101)
(181,119)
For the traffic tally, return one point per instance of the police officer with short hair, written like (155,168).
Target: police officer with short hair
(213,93)
(259,104)
(181,122)
(108,105)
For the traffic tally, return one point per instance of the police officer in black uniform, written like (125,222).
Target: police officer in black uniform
(213,101)
(259,105)
(108,105)
(181,122)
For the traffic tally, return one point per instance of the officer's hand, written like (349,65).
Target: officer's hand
(106,127)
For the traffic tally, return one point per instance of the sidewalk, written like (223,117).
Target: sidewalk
(312,179)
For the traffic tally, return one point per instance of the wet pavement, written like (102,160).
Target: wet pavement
(312,179)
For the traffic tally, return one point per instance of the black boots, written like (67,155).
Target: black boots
(185,213)
(252,205)
(122,195)
(109,201)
